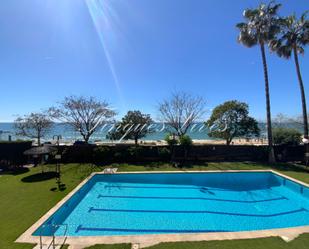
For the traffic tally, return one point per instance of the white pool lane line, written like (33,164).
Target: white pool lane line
(286,234)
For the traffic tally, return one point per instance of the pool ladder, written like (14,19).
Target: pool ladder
(54,228)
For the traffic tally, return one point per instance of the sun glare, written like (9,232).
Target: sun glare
(105,20)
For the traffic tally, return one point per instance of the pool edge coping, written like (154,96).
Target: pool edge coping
(287,234)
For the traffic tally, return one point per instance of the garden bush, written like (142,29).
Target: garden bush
(286,136)
(164,153)
(102,154)
(171,140)
(11,153)
(78,154)
(185,141)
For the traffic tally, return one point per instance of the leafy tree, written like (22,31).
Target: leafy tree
(186,142)
(34,125)
(84,114)
(231,119)
(261,27)
(181,111)
(134,125)
(293,38)
(286,136)
(171,140)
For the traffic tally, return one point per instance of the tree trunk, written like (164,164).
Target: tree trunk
(39,139)
(86,138)
(271,155)
(303,99)
(228,142)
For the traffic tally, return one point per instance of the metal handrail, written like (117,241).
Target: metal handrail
(65,232)
(55,226)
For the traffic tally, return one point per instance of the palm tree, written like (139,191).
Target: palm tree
(261,27)
(294,36)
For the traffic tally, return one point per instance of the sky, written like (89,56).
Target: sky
(135,53)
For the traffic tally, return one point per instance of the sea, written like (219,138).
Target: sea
(198,132)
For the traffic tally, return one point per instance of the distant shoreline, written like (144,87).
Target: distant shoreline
(69,136)
(236,141)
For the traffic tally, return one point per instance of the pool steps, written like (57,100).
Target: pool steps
(52,244)
(286,234)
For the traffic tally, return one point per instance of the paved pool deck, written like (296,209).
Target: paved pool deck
(79,242)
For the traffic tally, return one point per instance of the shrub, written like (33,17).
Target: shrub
(185,141)
(135,151)
(121,154)
(118,156)
(102,154)
(286,136)
(171,140)
(11,153)
(164,153)
(78,154)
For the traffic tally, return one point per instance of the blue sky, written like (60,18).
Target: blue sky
(134,53)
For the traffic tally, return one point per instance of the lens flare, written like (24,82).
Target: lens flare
(105,20)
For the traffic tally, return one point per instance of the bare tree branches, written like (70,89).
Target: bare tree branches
(85,115)
(181,111)
(34,125)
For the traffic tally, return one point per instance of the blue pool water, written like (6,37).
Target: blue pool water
(126,204)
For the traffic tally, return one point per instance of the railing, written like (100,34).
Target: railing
(54,228)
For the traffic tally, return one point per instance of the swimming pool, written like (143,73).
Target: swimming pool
(163,203)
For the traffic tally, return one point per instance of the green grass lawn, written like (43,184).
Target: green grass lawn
(266,243)
(27,195)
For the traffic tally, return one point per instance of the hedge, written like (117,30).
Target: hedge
(12,153)
(132,154)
